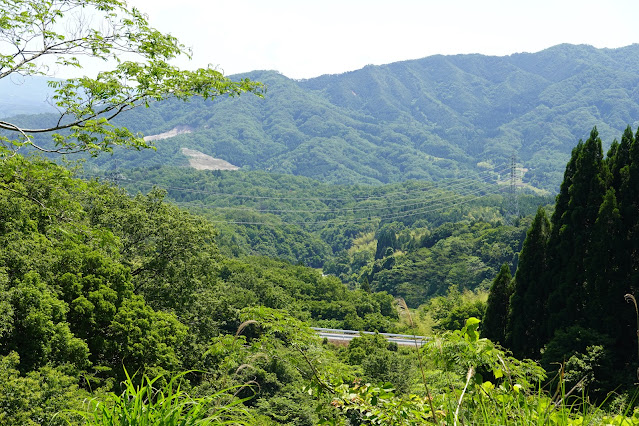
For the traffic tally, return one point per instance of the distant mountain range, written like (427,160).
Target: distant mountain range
(432,118)
(24,95)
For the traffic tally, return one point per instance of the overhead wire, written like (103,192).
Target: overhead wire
(404,203)
(437,206)
(466,181)
(457,196)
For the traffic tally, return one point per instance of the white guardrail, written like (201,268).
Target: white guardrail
(337,335)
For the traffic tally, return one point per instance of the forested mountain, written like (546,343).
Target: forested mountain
(430,118)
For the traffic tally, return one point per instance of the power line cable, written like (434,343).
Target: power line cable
(461,201)
(463,183)
(440,202)
(407,203)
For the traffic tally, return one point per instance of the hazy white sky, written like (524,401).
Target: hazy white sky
(307,38)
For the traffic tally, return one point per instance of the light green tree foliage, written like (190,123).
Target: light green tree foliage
(459,350)
(465,254)
(39,332)
(492,380)
(381,362)
(36,36)
(69,302)
(38,397)
(450,312)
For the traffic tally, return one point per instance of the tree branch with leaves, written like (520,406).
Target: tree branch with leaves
(36,34)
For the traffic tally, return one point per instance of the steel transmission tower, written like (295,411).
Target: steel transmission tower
(515,179)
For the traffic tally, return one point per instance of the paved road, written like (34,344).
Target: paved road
(337,335)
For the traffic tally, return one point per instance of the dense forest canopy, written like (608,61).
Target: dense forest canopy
(93,281)
(453,233)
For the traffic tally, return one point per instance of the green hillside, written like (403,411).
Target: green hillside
(203,283)
(121,308)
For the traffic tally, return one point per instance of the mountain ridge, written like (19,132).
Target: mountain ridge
(431,118)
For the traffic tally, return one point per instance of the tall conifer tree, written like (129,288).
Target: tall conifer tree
(494,324)
(575,279)
(605,282)
(525,331)
(619,158)
(629,209)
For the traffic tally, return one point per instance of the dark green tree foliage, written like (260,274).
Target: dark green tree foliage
(527,303)
(605,279)
(494,324)
(386,239)
(629,209)
(576,278)
(619,157)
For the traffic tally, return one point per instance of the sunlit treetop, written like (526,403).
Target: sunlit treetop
(36,34)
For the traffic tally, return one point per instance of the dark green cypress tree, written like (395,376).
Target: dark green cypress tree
(365,285)
(629,208)
(525,331)
(560,247)
(494,324)
(605,281)
(571,238)
(612,152)
(386,238)
(590,261)
(563,198)
(619,157)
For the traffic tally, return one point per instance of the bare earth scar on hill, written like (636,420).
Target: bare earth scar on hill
(200,161)
(178,130)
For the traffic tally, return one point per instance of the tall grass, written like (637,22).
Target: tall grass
(145,404)
(402,304)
